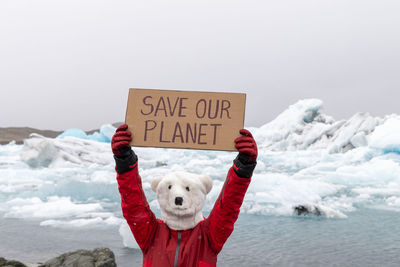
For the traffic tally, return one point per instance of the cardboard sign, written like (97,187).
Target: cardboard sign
(185,119)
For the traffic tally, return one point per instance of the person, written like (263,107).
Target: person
(163,246)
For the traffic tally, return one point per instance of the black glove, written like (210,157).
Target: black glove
(246,160)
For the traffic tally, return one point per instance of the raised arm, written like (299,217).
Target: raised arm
(227,206)
(135,208)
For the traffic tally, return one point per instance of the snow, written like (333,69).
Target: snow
(305,158)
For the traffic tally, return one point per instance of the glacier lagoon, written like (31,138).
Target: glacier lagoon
(58,195)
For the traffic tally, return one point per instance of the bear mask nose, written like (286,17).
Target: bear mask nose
(178,201)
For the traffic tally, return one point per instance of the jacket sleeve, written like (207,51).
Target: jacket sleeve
(135,208)
(226,208)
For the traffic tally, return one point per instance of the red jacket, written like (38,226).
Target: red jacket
(162,246)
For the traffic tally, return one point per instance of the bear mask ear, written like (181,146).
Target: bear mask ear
(155,183)
(207,182)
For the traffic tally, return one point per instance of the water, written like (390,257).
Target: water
(27,241)
(368,237)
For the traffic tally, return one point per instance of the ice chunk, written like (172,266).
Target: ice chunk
(303,126)
(127,236)
(74,132)
(387,136)
(360,123)
(105,134)
(54,207)
(393,201)
(107,130)
(96,136)
(38,151)
(280,193)
(78,223)
(299,127)
(290,121)
(359,140)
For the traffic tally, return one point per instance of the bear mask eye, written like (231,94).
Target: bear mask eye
(169,187)
(187,188)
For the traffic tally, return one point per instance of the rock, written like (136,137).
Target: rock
(303,210)
(99,257)
(7,263)
(161,164)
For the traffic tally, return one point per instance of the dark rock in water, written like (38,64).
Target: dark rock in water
(303,210)
(161,164)
(7,263)
(99,257)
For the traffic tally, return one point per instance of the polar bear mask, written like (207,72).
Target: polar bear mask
(181,196)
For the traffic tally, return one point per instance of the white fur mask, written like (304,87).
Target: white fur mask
(181,196)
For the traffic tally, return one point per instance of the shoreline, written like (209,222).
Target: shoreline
(18,134)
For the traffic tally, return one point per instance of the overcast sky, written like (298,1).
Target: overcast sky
(70,63)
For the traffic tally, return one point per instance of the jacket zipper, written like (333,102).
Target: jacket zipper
(177,249)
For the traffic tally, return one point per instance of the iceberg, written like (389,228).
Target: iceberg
(105,134)
(303,126)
